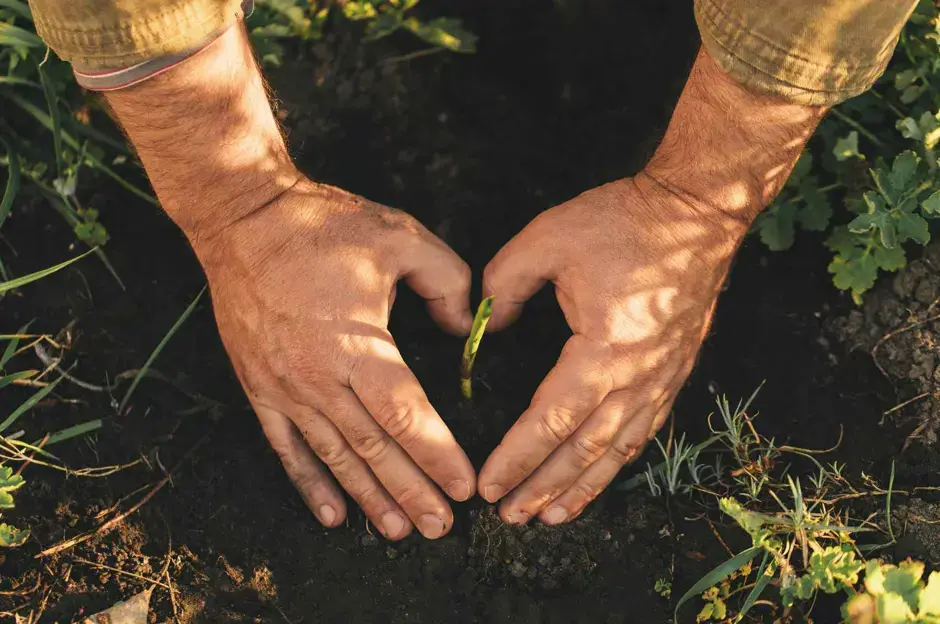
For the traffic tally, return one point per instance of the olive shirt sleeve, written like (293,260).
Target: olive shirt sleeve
(812,52)
(101,35)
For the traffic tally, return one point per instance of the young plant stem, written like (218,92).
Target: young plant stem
(862,130)
(473,343)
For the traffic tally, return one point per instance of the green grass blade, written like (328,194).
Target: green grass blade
(15,36)
(13,181)
(473,344)
(639,480)
(71,432)
(32,277)
(888,505)
(52,101)
(715,576)
(763,580)
(19,7)
(156,352)
(12,377)
(28,404)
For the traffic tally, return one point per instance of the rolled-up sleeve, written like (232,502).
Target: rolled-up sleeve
(107,34)
(813,52)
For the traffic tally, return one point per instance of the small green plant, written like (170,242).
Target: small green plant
(472,345)
(676,455)
(663,588)
(10,536)
(877,152)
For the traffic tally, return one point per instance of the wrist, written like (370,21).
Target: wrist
(207,138)
(728,150)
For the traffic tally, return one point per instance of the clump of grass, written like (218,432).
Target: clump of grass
(472,345)
(803,543)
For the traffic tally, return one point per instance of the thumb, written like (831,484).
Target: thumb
(517,272)
(442,279)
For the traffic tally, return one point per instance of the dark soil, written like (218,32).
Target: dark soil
(555,102)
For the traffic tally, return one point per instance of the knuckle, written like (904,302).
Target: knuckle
(399,420)
(411,496)
(622,452)
(334,454)
(588,449)
(585,491)
(371,445)
(557,424)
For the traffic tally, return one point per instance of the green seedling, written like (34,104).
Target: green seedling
(473,343)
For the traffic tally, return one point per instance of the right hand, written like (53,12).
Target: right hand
(302,289)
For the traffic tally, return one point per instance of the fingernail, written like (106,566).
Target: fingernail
(555,515)
(493,493)
(458,490)
(392,524)
(518,518)
(327,515)
(431,526)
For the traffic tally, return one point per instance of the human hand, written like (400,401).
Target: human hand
(637,272)
(302,291)
(637,267)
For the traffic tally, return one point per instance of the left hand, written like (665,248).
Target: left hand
(637,270)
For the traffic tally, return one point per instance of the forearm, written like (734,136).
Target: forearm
(728,147)
(207,137)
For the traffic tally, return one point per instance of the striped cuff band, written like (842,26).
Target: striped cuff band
(114,79)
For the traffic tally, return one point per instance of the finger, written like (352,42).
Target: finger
(516,273)
(392,394)
(569,461)
(627,447)
(442,279)
(571,391)
(306,473)
(353,474)
(401,477)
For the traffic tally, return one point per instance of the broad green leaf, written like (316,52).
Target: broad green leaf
(904,79)
(860,609)
(856,272)
(892,609)
(776,226)
(816,211)
(6,500)
(802,168)
(914,227)
(847,147)
(931,205)
(904,580)
(911,93)
(883,183)
(890,259)
(930,596)
(903,170)
(715,576)
(877,218)
(11,537)
(10,482)
(909,129)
